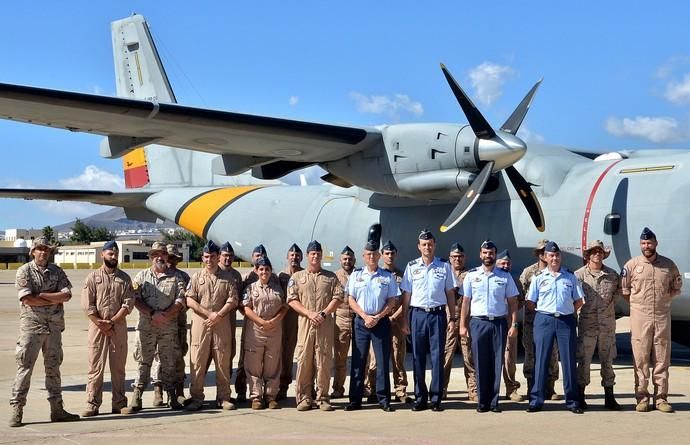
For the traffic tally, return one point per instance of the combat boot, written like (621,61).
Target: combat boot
(179,393)
(610,400)
(158,395)
(58,413)
(17,414)
(173,403)
(581,393)
(135,404)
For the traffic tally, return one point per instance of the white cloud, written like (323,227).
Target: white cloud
(655,129)
(294,100)
(679,91)
(93,178)
(391,106)
(487,79)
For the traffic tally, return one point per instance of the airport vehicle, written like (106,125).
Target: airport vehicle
(184,164)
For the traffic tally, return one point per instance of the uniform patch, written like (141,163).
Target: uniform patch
(291,283)
(624,272)
(135,285)
(22,282)
(639,269)
(98,279)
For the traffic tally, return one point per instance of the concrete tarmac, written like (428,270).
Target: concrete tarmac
(459,423)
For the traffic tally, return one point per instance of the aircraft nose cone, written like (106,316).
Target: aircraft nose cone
(505,150)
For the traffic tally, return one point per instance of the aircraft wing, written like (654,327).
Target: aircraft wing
(103,197)
(130,123)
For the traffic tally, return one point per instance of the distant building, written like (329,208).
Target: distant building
(14,251)
(131,251)
(27,234)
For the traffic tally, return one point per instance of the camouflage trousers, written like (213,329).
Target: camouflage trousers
(163,339)
(28,346)
(179,363)
(605,344)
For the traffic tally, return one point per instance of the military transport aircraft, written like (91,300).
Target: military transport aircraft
(184,164)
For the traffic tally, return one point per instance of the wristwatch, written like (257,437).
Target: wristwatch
(516,325)
(323,314)
(453,319)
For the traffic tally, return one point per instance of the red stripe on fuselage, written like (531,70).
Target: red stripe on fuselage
(588,209)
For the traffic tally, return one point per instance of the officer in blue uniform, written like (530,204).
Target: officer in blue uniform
(489,294)
(372,293)
(428,285)
(556,295)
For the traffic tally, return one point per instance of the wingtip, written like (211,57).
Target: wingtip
(443,66)
(444,229)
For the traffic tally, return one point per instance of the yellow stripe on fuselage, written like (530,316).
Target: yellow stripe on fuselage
(202,210)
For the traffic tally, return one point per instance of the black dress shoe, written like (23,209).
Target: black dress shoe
(387,408)
(372,398)
(419,407)
(352,407)
(495,409)
(482,409)
(436,407)
(533,409)
(576,410)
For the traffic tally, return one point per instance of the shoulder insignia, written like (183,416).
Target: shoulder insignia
(358,269)
(22,282)
(411,263)
(291,283)
(624,272)
(98,279)
(135,285)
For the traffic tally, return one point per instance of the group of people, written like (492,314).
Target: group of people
(370,310)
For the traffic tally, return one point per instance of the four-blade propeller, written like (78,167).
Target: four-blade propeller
(504,139)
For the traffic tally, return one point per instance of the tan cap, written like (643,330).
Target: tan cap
(540,247)
(595,244)
(157,248)
(173,251)
(42,241)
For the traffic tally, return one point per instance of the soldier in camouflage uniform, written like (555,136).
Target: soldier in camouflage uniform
(42,289)
(159,298)
(528,328)
(596,324)
(107,298)
(174,257)
(343,325)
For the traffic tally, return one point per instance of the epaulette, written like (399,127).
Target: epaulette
(567,270)
(537,273)
(475,269)
(357,269)
(411,263)
(443,260)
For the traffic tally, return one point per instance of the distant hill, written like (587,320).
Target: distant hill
(115,220)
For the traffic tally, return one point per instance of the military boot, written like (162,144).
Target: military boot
(135,404)
(179,393)
(581,394)
(610,399)
(173,403)
(58,413)
(17,414)
(158,395)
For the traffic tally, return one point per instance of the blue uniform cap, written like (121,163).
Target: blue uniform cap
(110,245)
(211,247)
(295,248)
(263,261)
(647,234)
(389,246)
(456,247)
(551,246)
(347,251)
(227,247)
(503,255)
(426,235)
(314,246)
(259,249)
(488,244)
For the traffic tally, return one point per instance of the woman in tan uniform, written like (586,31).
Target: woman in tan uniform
(264,306)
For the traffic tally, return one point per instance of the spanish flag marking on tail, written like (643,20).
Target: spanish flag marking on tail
(197,214)
(135,168)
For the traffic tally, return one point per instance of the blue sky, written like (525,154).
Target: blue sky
(616,74)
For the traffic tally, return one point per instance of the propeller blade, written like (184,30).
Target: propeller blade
(469,198)
(479,125)
(512,125)
(529,199)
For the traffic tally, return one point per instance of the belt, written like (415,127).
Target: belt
(557,315)
(488,317)
(430,309)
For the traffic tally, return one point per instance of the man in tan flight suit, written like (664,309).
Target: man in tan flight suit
(107,298)
(649,282)
(343,325)
(174,257)
(503,261)
(42,289)
(389,254)
(528,328)
(456,257)
(159,300)
(212,295)
(596,324)
(226,258)
(294,260)
(314,293)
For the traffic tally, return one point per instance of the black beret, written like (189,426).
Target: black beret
(295,248)
(647,234)
(488,244)
(211,247)
(347,251)
(456,247)
(389,246)
(263,261)
(426,235)
(552,247)
(110,245)
(226,247)
(314,246)
(259,249)
(503,255)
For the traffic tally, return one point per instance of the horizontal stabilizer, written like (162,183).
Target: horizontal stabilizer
(102,197)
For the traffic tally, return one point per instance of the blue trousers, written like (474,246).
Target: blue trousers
(488,350)
(428,331)
(548,327)
(380,338)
